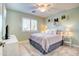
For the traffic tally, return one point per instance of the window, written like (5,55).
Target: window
(29,24)
(33,25)
(26,24)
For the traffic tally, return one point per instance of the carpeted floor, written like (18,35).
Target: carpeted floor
(28,50)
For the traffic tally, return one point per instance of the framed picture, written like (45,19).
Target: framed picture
(56,20)
(65,17)
(48,20)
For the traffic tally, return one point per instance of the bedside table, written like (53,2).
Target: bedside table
(68,41)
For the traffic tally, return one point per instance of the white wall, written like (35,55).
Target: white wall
(73,18)
(14,20)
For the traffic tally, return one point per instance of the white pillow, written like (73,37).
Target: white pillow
(49,31)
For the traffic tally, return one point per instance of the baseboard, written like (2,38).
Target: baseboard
(23,41)
(75,46)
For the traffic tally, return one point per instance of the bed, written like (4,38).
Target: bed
(46,42)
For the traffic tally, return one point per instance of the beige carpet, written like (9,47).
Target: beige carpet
(28,50)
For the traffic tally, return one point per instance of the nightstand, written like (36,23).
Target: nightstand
(68,35)
(68,41)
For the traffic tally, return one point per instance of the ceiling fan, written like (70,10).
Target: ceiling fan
(42,7)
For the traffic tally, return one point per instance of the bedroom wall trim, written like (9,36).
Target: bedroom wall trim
(76,46)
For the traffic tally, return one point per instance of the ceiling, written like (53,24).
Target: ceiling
(31,9)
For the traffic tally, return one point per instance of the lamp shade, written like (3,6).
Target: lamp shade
(43,28)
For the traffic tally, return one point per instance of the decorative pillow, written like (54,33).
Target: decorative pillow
(51,31)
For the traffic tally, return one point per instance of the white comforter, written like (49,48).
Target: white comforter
(45,40)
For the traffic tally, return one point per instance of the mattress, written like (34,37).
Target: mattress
(45,40)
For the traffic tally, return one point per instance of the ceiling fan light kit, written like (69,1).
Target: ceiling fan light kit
(43,6)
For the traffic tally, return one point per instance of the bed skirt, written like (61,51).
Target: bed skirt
(51,47)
